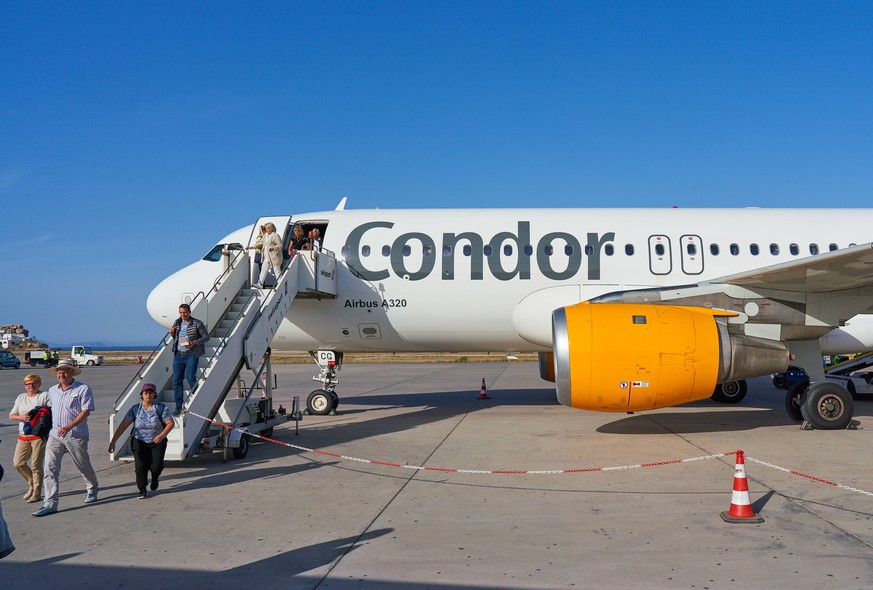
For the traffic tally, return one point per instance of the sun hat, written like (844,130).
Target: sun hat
(66,364)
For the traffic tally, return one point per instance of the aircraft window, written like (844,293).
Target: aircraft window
(568,249)
(852,244)
(753,248)
(528,250)
(629,249)
(549,250)
(713,249)
(659,249)
(507,250)
(833,247)
(447,251)
(589,250)
(692,249)
(487,250)
(468,250)
(428,251)
(774,249)
(735,249)
(608,250)
(386,250)
(407,250)
(795,249)
(813,249)
(365,251)
(346,251)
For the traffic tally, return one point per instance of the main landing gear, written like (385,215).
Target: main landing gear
(730,392)
(823,405)
(325,400)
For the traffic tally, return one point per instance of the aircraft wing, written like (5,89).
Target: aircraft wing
(839,270)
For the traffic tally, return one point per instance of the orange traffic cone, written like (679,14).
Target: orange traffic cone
(483,393)
(741,507)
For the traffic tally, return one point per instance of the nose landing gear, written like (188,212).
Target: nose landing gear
(325,400)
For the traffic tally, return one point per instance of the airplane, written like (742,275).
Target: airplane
(628,309)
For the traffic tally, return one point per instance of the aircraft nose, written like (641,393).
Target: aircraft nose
(160,306)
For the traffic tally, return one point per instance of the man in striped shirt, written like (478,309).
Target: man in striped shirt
(72,402)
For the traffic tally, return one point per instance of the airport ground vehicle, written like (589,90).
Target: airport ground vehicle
(856,383)
(791,376)
(37,357)
(8,360)
(83,355)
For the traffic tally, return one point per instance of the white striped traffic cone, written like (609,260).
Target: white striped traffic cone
(483,393)
(741,506)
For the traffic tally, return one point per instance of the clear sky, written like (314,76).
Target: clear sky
(134,135)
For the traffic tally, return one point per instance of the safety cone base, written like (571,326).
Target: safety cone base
(753,519)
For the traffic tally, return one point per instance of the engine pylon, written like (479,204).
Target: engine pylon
(741,506)
(483,392)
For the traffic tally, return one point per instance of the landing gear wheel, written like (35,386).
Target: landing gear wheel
(828,406)
(242,450)
(794,400)
(319,403)
(730,392)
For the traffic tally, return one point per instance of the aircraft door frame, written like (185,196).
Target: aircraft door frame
(692,264)
(660,255)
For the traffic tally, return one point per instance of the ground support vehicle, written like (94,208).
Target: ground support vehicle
(791,376)
(83,355)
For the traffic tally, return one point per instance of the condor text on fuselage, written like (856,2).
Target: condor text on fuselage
(506,244)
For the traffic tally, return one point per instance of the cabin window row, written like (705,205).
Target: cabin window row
(608,250)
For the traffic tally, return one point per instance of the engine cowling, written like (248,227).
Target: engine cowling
(619,357)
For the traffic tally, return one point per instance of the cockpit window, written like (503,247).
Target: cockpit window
(214,255)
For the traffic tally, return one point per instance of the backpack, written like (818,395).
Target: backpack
(39,422)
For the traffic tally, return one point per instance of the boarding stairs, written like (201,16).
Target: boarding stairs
(241,322)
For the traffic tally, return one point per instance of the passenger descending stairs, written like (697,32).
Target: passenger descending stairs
(242,322)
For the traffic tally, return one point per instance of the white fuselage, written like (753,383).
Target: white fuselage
(406,283)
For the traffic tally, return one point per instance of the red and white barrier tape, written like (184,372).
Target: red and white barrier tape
(525,471)
(810,477)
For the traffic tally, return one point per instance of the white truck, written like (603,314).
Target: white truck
(83,355)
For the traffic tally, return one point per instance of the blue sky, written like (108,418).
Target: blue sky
(134,135)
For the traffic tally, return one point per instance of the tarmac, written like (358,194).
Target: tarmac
(522,493)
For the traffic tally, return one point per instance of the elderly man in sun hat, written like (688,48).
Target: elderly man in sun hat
(72,402)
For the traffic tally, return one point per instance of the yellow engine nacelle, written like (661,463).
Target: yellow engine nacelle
(617,357)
